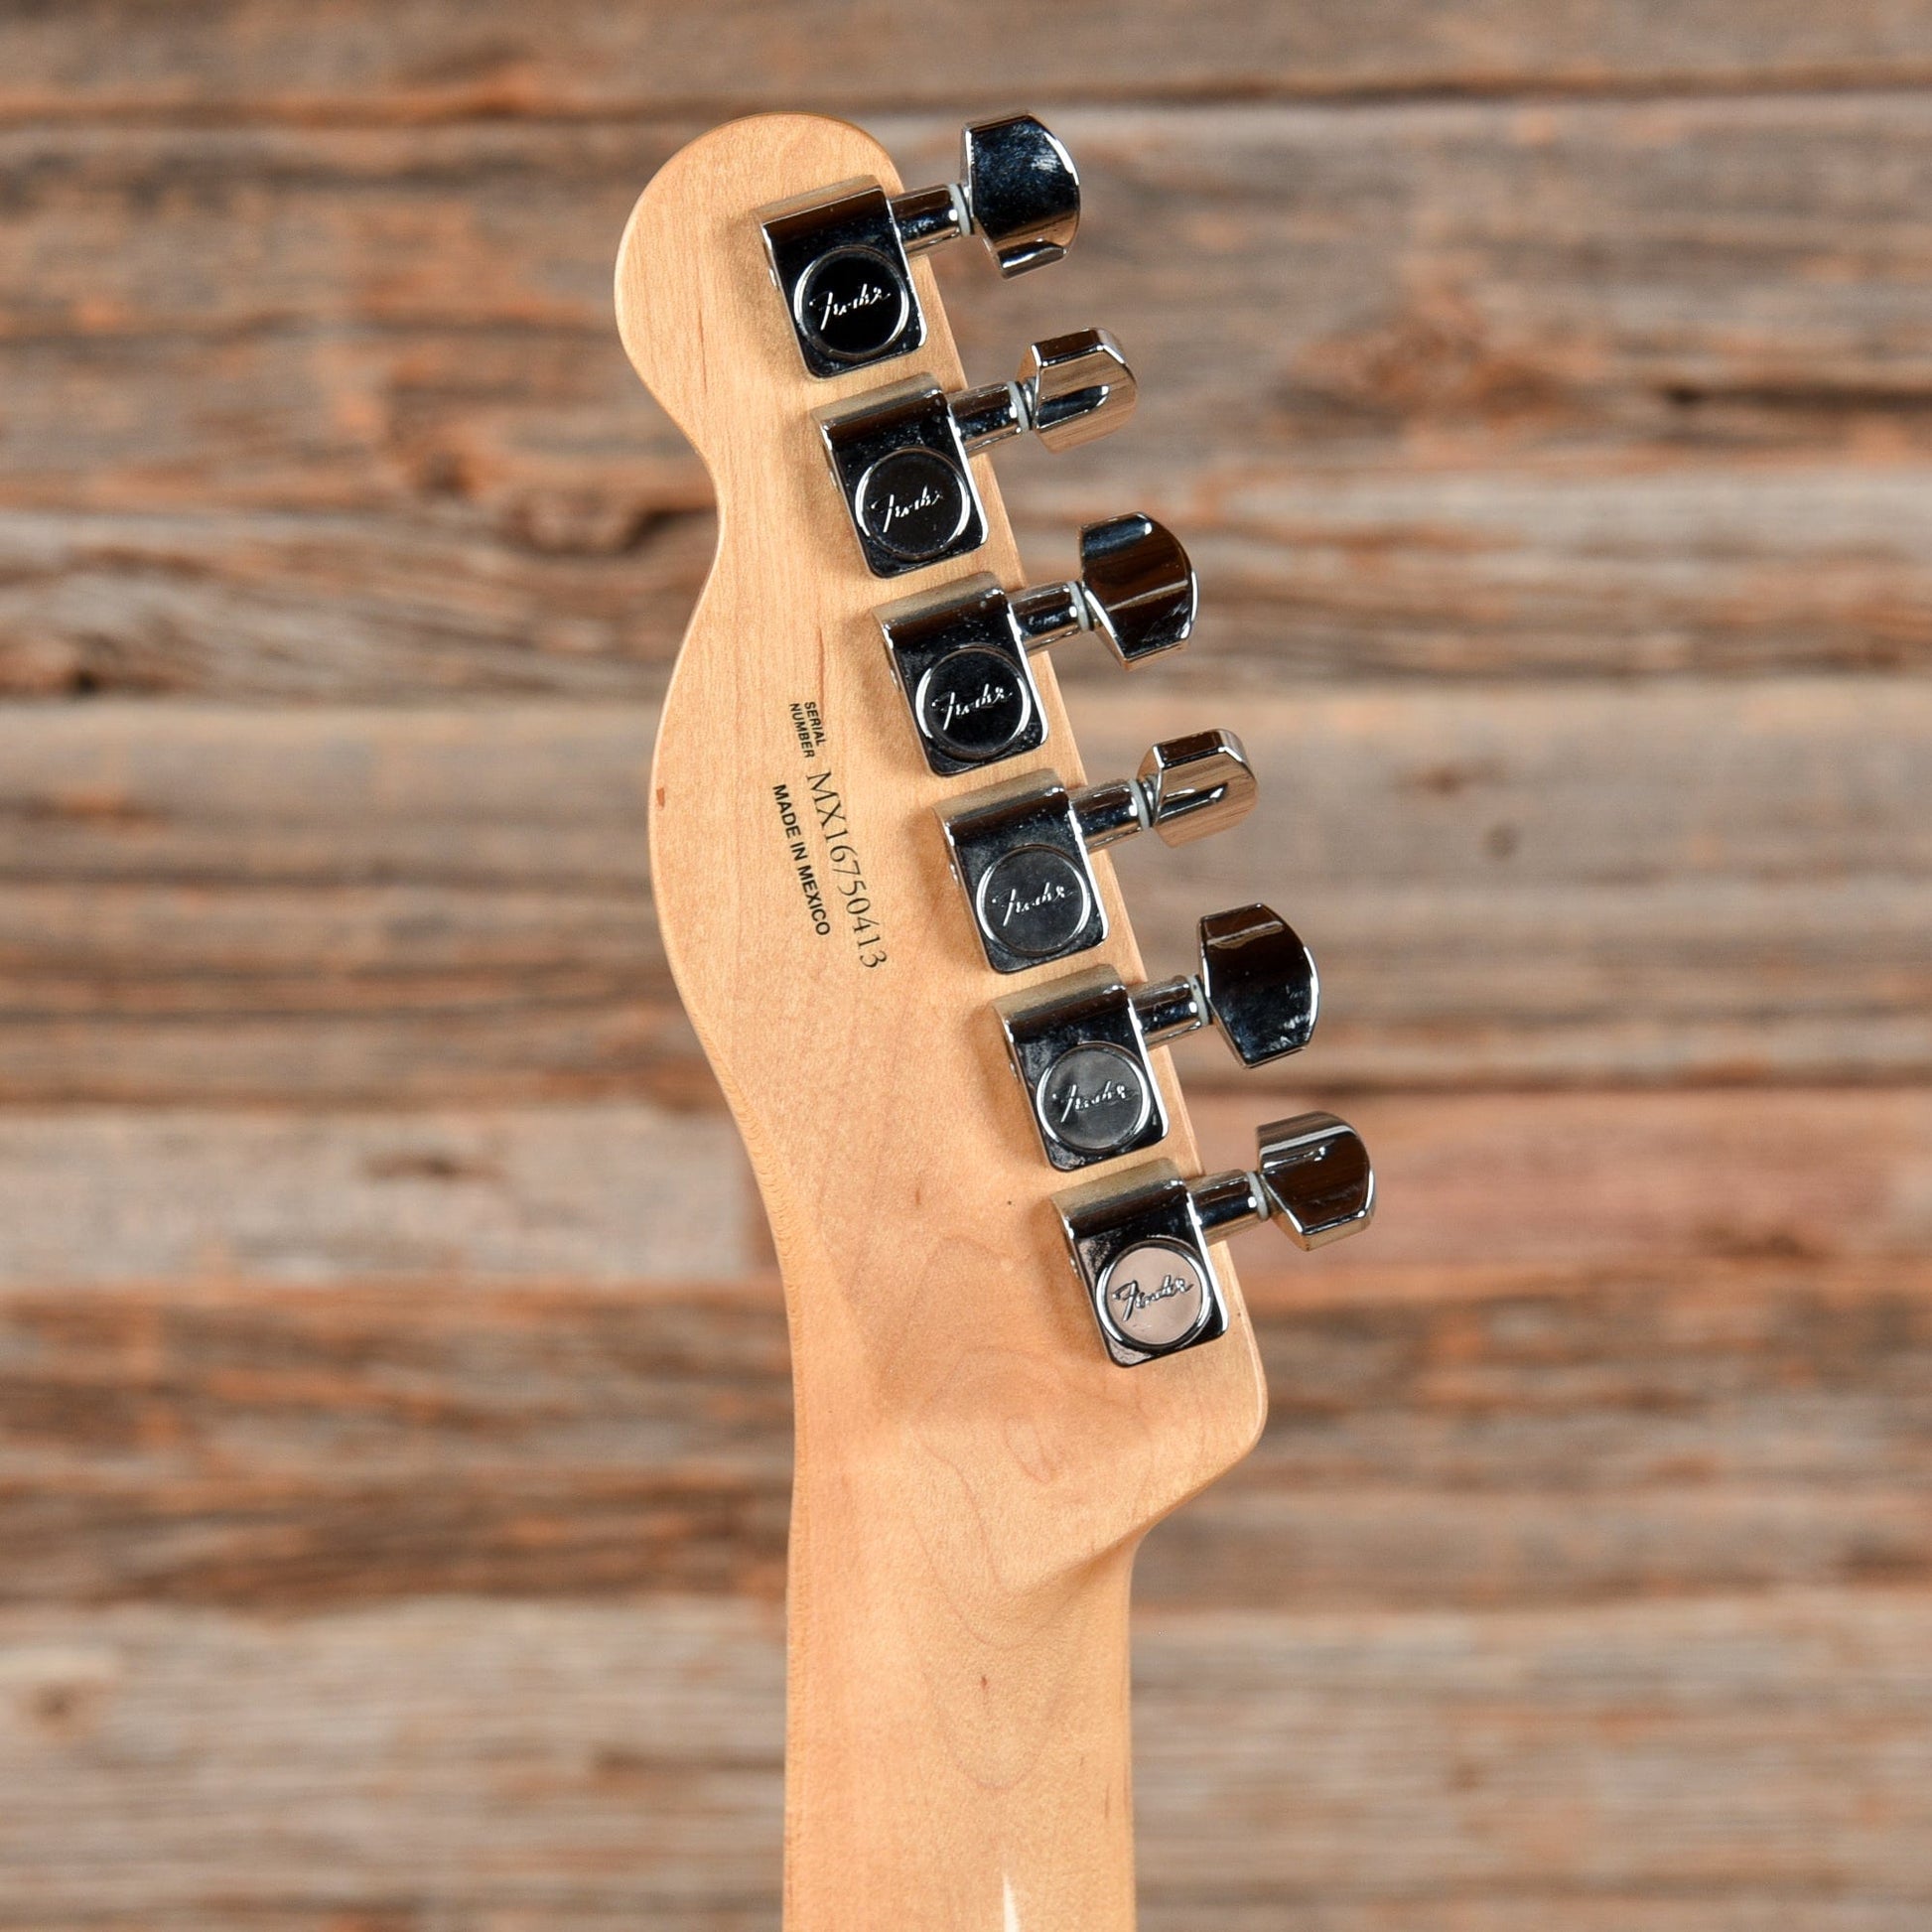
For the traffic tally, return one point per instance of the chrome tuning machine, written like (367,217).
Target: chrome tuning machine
(900,454)
(840,256)
(1020,850)
(960,653)
(1140,1245)
(1082,1050)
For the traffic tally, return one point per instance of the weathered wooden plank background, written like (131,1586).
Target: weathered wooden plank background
(393,1413)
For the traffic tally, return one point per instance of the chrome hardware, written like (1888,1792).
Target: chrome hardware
(1140,1246)
(1138,587)
(840,264)
(1195,785)
(1082,1050)
(1071,389)
(1316,1181)
(960,653)
(899,454)
(902,470)
(1020,849)
(1018,189)
(1186,788)
(1257,982)
(1081,1055)
(840,255)
(1019,855)
(1075,388)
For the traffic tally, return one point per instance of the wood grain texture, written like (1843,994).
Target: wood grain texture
(1627,1430)
(373,606)
(588,1194)
(1683,1766)
(1559,885)
(397,1336)
(271,59)
(631,1198)
(1576,390)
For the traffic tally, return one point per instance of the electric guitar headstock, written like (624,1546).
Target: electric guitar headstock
(882,879)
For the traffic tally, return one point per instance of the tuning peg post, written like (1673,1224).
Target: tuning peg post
(1071,389)
(1020,850)
(960,653)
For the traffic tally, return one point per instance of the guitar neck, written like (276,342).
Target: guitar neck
(953,1758)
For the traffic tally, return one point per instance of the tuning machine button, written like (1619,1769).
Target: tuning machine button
(900,454)
(1140,1245)
(840,255)
(1020,850)
(1082,1050)
(1017,190)
(960,653)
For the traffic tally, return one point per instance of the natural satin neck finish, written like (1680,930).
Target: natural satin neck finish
(973,1473)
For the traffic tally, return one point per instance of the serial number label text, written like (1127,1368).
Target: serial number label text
(847,869)
(820,846)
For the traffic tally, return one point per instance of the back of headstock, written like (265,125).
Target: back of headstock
(976,1457)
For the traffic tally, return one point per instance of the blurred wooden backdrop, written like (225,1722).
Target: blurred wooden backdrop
(393,1417)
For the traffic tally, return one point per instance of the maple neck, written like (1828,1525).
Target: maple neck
(954,1760)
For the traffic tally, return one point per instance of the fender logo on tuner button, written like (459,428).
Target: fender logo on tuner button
(840,258)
